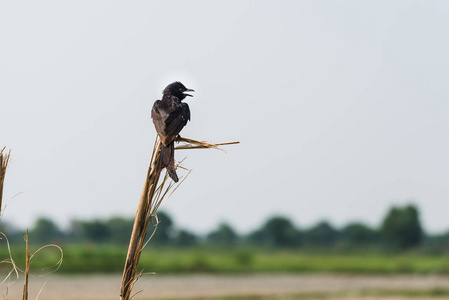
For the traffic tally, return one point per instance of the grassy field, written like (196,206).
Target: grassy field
(108,259)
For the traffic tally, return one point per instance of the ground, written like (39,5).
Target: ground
(251,287)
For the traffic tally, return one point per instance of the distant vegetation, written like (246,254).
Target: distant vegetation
(399,244)
(110,258)
(400,230)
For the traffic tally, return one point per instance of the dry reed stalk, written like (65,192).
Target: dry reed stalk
(4,159)
(150,200)
(27,269)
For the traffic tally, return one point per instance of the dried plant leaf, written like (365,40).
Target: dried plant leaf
(4,160)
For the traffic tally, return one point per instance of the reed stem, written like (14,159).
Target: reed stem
(151,198)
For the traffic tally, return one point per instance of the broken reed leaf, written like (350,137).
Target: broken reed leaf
(194,144)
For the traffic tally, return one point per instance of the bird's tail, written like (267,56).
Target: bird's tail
(167,160)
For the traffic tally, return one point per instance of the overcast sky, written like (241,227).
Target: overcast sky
(341,108)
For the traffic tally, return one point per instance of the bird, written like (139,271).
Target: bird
(170,115)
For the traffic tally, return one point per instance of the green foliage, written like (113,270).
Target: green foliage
(120,230)
(14,235)
(106,258)
(358,234)
(45,231)
(95,231)
(225,235)
(401,228)
(277,231)
(323,234)
(100,259)
(437,244)
(185,238)
(244,257)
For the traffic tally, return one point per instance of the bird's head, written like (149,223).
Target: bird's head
(178,90)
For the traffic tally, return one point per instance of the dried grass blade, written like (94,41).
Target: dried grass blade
(14,269)
(40,291)
(194,144)
(4,160)
(27,268)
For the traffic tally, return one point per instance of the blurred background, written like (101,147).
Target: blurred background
(340,109)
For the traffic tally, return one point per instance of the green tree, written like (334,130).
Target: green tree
(185,238)
(323,234)
(13,234)
(120,230)
(277,231)
(438,243)
(6,228)
(224,235)
(358,234)
(95,231)
(401,227)
(45,231)
(258,237)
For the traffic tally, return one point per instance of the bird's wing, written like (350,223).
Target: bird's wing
(158,119)
(177,120)
(186,110)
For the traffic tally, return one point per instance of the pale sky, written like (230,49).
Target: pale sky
(341,108)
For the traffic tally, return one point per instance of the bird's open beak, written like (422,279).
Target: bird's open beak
(188,90)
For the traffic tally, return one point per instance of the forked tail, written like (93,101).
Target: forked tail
(167,160)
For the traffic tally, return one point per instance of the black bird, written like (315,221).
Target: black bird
(170,115)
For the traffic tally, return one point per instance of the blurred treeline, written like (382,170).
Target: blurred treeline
(399,230)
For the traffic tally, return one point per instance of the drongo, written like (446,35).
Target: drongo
(170,115)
